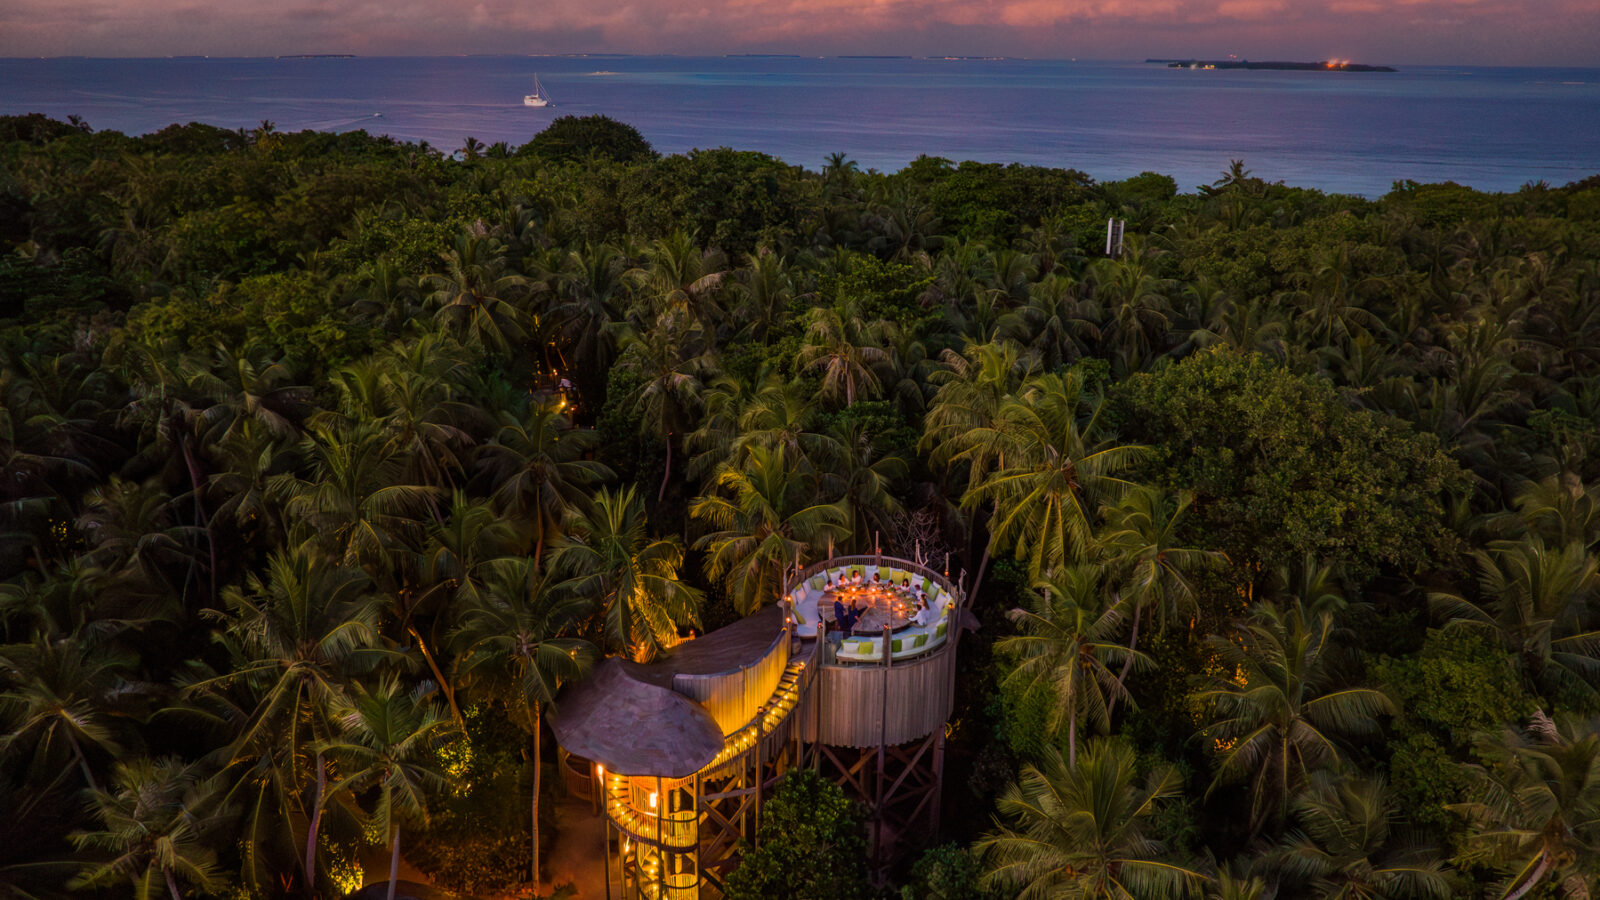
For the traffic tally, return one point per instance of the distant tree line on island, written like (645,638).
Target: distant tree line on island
(327,460)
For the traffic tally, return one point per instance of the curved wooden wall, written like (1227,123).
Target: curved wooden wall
(864,706)
(733,697)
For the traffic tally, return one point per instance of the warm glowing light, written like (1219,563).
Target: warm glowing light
(652,799)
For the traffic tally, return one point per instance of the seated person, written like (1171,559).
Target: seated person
(856,578)
(905,582)
(877,579)
(924,614)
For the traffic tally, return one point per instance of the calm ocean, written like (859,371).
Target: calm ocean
(1492,128)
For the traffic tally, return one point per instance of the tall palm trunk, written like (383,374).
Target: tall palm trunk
(311,830)
(394,859)
(1533,879)
(83,761)
(201,517)
(172,885)
(1072,740)
(538,773)
(1127,665)
(445,687)
(667,473)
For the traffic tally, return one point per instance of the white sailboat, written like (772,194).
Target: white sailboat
(538,97)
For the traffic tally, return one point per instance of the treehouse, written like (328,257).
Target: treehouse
(680,753)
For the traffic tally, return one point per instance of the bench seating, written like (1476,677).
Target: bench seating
(805,604)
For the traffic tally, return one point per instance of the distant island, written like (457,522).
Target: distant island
(1328,65)
(318,56)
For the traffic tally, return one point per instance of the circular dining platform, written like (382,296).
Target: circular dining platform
(889,594)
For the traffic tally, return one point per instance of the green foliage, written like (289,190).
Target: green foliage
(1142,190)
(812,845)
(946,872)
(1442,204)
(77,284)
(579,138)
(736,201)
(1459,686)
(1281,467)
(242,434)
(1022,720)
(282,314)
(37,128)
(477,843)
(995,202)
(888,291)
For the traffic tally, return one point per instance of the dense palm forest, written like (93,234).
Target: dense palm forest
(327,460)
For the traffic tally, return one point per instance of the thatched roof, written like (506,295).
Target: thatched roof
(627,717)
(617,718)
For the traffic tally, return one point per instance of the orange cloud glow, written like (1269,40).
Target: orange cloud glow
(1549,31)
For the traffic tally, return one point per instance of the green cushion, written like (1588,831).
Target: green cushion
(921,639)
(860,646)
(817,582)
(939,632)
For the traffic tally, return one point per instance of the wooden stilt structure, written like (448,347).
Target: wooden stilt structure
(686,751)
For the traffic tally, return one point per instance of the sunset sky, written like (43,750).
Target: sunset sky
(1520,32)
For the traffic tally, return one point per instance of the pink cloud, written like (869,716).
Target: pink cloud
(1105,28)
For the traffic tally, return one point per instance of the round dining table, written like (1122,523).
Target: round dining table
(881,605)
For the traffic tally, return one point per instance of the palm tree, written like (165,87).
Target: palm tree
(1134,295)
(389,738)
(1055,323)
(513,644)
(241,388)
(155,820)
(1084,831)
(767,520)
(781,414)
(1057,468)
(1277,715)
(861,475)
(1536,600)
(538,465)
(58,699)
(132,536)
(847,348)
(450,572)
(1349,848)
(296,636)
(670,361)
(1143,546)
(471,293)
(764,294)
(355,502)
(1562,510)
(973,385)
(609,558)
(1535,807)
(681,278)
(1067,646)
(585,314)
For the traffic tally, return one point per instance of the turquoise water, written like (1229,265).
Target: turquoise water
(1492,128)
